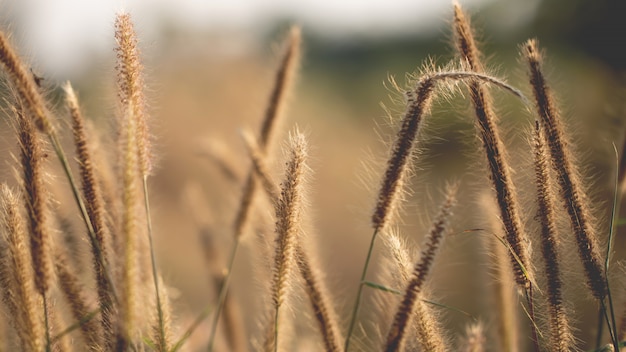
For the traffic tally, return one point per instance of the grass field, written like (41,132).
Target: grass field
(240,203)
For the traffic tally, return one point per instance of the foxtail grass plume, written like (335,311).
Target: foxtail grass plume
(24,83)
(131,88)
(74,291)
(560,333)
(316,289)
(499,170)
(397,167)
(288,222)
(32,157)
(283,82)
(430,339)
(94,202)
(325,315)
(571,191)
(16,275)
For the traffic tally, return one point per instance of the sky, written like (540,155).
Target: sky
(62,35)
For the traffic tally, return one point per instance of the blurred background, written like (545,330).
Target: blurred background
(209,67)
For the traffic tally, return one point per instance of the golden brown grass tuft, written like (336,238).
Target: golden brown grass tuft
(97,212)
(75,294)
(561,338)
(34,273)
(16,275)
(275,109)
(288,221)
(25,84)
(33,183)
(499,170)
(402,148)
(411,306)
(572,194)
(131,88)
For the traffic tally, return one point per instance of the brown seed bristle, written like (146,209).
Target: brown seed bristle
(571,190)
(288,218)
(560,332)
(259,166)
(282,86)
(400,154)
(25,84)
(32,157)
(494,150)
(316,290)
(430,336)
(16,275)
(95,208)
(318,296)
(131,87)
(74,293)
(412,294)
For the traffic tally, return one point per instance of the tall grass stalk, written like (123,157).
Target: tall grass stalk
(275,109)
(33,101)
(315,288)
(390,192)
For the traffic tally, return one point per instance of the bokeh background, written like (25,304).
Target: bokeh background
(209,67)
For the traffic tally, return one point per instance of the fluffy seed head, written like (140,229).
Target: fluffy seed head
(131,87)
(25,84)
(571,191)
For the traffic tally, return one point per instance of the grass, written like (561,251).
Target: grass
(119,302)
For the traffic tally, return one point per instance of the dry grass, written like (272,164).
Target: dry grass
(119,301)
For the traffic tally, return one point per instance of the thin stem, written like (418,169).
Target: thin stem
(600,327)
(608,323)
(76,325)
(355,310)
(613,325)
(276,328)
(153,262)
(205,313)
(223,293)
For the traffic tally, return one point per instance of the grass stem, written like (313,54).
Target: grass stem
(355,310)
(223,292)
(162,345)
